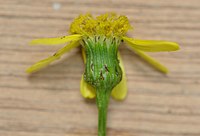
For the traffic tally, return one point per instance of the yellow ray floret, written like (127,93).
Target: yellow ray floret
(120,91)
(54,41)
(151,61)
(151,45)
(43,63)
(108,24)
(87,90)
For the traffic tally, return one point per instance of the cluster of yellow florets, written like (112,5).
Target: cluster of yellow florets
(107,24)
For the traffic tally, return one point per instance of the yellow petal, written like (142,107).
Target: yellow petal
(151,45)
(58,40)
(87,90)
(120,91)
(151,61)
(43,63)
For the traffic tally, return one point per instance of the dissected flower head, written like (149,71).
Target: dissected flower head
(104,73)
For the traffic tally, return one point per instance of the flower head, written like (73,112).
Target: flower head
(108,25)
(104,73)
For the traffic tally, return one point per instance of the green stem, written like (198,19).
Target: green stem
(102,121)
(102,104)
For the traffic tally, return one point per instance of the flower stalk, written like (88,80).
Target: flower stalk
(102,101)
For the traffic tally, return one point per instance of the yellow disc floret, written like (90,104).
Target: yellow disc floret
(108,24)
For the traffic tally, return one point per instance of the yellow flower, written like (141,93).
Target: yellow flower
(109,26)
(104,73)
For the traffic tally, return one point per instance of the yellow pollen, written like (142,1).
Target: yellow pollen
(108,24)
